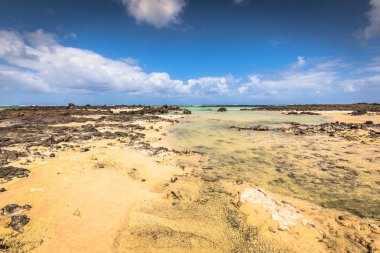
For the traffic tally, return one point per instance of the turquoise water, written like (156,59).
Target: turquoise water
(324,170)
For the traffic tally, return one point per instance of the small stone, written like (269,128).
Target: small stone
(239,182)
(84,150)
(143,180)
(173,179)
(19,221)
(3,190)
(176,194)
(52,155)
(27,207)
(76,213)
(100,165)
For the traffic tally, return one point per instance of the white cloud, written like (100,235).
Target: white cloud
(373,29)
(315,80)
(300,62)
(213,85)
(36,61)
(159,13)
(329,76)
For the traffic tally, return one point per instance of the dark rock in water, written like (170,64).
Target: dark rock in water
(256,128)
(3,190)
(309,113)
(186,111)
(222,109)
(10,172)
(359,112)
(302,113)
(9,209)
(260,128)
(19,221)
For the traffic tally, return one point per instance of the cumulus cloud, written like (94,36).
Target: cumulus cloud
(321,78)
(159,13)
(36,61)
(373,29)
(213,85)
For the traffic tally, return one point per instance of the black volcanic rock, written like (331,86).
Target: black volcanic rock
(8,173)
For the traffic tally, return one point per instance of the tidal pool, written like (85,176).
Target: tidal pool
(328,171)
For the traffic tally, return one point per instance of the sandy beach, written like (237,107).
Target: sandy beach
(160,179)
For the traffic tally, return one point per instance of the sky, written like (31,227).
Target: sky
(189,51)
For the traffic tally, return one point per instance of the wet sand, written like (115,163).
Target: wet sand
(131,182)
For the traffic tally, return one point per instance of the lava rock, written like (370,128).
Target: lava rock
(8,173)
(19,221)
(10,209)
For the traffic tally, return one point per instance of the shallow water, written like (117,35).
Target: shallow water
(328,171)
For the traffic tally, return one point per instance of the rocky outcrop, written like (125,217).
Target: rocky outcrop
(222,109)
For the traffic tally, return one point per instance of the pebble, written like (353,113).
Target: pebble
(176,194)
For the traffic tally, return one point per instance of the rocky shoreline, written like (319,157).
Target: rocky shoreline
(318,107)
(66,169)
(367,132)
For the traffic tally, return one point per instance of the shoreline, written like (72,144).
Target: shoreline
(118,181)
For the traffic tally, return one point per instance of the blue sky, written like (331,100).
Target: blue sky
(189,51)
